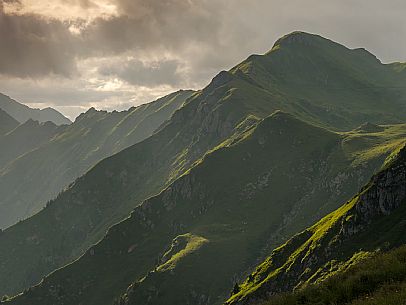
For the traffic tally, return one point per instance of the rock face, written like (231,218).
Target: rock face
(386,194)
(372,220)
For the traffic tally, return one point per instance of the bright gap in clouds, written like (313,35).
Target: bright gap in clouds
(68,10)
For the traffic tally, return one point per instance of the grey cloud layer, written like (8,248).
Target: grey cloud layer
(33,45)
(175,43)
(138,73)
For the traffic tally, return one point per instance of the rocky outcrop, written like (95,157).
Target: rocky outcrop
(386,193)
(333,241)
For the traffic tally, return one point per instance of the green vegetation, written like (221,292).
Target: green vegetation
(23,113)
(228,203)
(22,140)
(379,279)
(218,186)
(325,83)
(7,123)
(79,217)
(182,246)
(373,220)
(39,161)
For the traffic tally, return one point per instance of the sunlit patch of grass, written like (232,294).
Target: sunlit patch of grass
(188,243)
(377,280)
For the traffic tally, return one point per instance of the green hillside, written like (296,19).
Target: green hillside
(231,178)
(25,138)
(7,122)
(379,279)
(39,161)
(243,198)
(372,220)
(326,83)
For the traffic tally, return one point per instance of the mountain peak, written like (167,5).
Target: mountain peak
(304,39)
(91,110)
(89,113)
(298,37)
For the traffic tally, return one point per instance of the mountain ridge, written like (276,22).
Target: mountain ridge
(22,112)
(334,243)
(121,250)
(25,138)
(73,150)
(219,120)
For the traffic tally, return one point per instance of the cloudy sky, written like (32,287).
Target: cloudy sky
(113,54)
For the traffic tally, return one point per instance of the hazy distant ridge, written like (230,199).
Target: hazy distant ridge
(22,113)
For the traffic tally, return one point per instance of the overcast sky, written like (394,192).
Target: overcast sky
(113,54)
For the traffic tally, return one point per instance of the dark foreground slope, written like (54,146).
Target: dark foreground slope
(374,219)
(38,161)
(187,244)
(231,103)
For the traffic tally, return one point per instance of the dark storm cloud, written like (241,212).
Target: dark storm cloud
(32,46)
(216,33)
(165,23)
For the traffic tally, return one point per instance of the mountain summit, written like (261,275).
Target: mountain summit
(235,169)
(326,83)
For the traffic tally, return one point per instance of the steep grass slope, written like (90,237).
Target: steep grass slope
(326,83)
(187,244)
(7,122)
(373,219)
(231,103)
(25,138)
(379,279)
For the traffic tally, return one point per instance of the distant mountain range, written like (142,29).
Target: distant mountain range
(185,209)
(23,113)
(52,157)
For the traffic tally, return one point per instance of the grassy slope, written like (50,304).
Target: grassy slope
(231,202)
(312,77)
(58,161)
(373,219)
(378,279)
(83,213)
(7,122)
(25,138)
